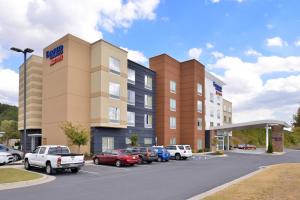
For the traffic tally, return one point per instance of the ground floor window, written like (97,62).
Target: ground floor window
(199,144)
(173,141)
(148,141)
(127,140)
(107,144)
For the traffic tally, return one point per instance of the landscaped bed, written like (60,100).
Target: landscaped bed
(275,183)
(10,175)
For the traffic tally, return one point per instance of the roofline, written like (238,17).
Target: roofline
(268,122)
(141,65)
(210,76)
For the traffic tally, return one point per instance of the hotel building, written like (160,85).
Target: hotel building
(94,85)
(227,112)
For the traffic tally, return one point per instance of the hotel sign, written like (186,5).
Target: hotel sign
(218,89)
(55,55)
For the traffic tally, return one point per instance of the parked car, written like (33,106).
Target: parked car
(18,155)
(246,146)
(5,158)
(120,157)
(162,153)
(54,158)
(179,151)
(146,154)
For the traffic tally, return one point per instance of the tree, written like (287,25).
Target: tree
(10,129)
(76,134)
(296,122)
(134,138)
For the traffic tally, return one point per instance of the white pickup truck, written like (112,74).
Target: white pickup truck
(53,158)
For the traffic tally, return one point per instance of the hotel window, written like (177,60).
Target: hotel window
(172,122)
(127,140)
(131,118)
(229,119)
(218,100)
(199,89)
(173,141)
(211,97)
(148,101)
(199,106)
(229,109)
(218,114)
(225,108)
(211,124)
(114,90)
(212,112)
(114,65)
(114,114)
(147,121)
(131,76)
(173,87)
(199,123)
(218,124)
(107,144)
(172,104)
(225,119)
(148,141)
(131,97)
(148,82)
(199,144)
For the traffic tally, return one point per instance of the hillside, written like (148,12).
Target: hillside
(257,137)
(8,112)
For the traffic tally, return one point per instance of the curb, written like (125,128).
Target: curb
(21,184)
(221,187)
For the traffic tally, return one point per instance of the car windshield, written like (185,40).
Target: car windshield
(124,151)
(187,147)
(58,150)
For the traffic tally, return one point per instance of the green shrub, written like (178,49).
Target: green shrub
(219,153)
(200,150)
(270,148)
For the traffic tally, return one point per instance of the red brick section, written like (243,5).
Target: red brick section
(277,138)
(192,73)
(186,75)
(166,68)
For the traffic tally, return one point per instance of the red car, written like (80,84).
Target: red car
(119,157)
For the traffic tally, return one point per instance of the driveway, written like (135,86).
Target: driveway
(160,181)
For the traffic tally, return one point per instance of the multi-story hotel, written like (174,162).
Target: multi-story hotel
(94,85)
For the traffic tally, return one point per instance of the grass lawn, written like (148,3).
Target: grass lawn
(10,175)
(276,183)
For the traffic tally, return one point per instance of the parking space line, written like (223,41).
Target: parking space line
(84,171)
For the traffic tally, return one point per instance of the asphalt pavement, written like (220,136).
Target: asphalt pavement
(160,181)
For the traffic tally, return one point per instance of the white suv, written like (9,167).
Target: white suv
(179,151)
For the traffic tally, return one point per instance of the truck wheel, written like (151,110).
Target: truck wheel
(177,156)
(149,162)
(16,157)
(74,170)
(118,163)
(27,165)
(49,169)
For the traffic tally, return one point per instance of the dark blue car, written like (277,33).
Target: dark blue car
(162,154)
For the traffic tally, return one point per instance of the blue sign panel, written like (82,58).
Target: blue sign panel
(55,52)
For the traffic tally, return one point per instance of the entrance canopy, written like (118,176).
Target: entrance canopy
(253,124)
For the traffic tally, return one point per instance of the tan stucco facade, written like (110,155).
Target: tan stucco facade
(34,94)
(227,112)
(74,89)
(101,77)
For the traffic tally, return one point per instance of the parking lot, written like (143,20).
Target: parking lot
(170,180)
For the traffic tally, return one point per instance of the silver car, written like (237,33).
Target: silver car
(18,155)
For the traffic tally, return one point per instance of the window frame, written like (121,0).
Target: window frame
(172,122)
(171,88)
(113,69)
(171,108)
(146,120)
(131,124)
(146,81)
(146,98)
(117,114)
(111,84)
(130,80)
(128,97)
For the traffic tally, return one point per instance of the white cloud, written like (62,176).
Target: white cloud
(194,53)
(215,1)
(35,24)
(276,42)
(217,54)
(256,97)
(9,86)
(209,45)
(136,56)
(297,43)
(252,52)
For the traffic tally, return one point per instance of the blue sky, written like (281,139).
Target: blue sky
(253,45)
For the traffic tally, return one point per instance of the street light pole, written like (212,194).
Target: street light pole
(25,51)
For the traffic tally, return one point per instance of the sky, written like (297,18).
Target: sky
(252,45)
